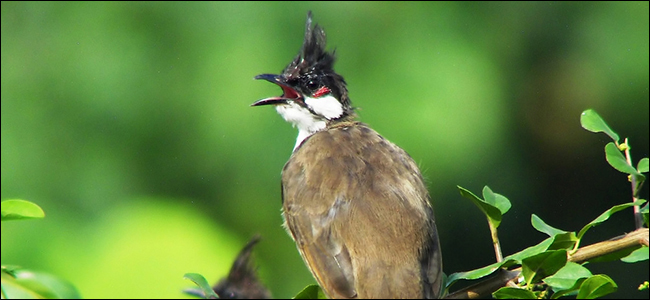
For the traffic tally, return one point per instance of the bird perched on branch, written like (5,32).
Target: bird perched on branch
(355,203)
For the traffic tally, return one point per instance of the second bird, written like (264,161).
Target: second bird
(355,203)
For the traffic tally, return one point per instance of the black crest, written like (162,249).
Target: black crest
(313,58)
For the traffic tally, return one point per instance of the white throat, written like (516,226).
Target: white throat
(326,107)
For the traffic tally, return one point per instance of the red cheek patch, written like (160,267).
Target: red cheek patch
(320,92)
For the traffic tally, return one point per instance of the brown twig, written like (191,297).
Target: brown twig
(632,239)
(488,286)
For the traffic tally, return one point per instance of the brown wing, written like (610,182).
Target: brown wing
(358,210)
(323,251)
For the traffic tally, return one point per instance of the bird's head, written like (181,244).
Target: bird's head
(313,94)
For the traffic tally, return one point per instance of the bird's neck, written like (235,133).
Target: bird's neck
(303,119)
(306,122)
(302,135)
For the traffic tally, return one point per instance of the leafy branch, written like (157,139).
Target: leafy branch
(590,120)
(554,267)
(637,239)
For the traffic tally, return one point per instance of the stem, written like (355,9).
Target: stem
(495,242)
(638,218)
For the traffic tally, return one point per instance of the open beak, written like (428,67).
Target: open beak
(289,93)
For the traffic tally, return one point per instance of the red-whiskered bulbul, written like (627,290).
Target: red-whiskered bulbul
(355,204)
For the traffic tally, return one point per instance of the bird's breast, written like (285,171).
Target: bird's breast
(351,161)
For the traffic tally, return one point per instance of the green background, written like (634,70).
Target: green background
(130,124)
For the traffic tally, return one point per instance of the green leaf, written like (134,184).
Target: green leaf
(531,251)
(537,267)
(640,254)
(561,239)
(508,261)
(473,274)
(596,287)
(564,241)
(591,121)
(17,209)
(200,281)
(542,227)
(616,159)
(312,291)
(572,291)
(642,166)
(492,212)
(497,200)
(604,216)
(567,277)
(513,293)
(46,284)
(14,290)
(23,283)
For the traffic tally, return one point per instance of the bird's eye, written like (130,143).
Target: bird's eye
(312,85)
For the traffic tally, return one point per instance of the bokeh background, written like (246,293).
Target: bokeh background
(129,123)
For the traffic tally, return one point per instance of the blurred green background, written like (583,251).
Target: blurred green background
(129,123)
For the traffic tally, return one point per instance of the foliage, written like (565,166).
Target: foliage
(203,285)
(23,283)
(546,270)
(311,292)
(20,209)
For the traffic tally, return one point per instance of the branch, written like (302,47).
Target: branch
(632,239)
(503,277)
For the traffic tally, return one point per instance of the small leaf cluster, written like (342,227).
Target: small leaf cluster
(204,291)
(590,120)
(18,282)
(545,267)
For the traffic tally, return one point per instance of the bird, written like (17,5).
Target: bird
(242,281)
(355,204)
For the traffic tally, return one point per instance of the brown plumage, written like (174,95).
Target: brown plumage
(355,203)
(348,207)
